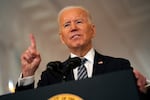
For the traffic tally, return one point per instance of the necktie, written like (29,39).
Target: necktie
(82,72)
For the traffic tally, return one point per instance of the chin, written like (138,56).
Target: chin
(77,47)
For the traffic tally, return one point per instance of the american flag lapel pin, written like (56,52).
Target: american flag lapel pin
(100,62)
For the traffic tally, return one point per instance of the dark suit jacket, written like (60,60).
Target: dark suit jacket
(102,64)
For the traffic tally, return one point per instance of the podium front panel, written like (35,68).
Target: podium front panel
(119,85)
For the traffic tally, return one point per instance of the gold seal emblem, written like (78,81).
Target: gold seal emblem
(65,96)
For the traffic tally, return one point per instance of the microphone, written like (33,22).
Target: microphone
(61,70)
(70,64)
(55,68)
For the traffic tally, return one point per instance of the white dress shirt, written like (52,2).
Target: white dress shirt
(88,64)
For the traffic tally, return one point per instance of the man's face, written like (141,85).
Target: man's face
(75,29)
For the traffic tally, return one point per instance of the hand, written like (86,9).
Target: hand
(141,81)
(30,59)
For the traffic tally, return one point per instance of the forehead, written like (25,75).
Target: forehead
(72,14)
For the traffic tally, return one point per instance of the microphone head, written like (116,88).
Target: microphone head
(74,62)
(58,68)
(55,66)
(71,63)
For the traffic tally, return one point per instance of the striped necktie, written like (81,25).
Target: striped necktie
(82,72)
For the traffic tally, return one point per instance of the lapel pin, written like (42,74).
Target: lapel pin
(100,62)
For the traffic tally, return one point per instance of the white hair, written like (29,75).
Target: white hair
(72,7)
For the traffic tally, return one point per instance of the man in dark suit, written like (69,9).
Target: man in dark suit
(76,31)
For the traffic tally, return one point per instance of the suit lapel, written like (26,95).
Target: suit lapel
(70,76)
(99,64)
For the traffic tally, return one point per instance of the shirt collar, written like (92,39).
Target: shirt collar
(89,56)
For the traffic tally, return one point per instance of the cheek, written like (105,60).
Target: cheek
(61,38)
(64,39)
(89,36)
(91,32)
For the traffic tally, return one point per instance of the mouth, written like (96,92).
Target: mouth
(75,36)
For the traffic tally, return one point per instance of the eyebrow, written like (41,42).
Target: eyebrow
(82,19)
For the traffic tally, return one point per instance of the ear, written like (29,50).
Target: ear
(93,29)
(61,38)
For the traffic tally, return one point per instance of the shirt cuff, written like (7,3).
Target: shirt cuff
(148,83)
(25,81)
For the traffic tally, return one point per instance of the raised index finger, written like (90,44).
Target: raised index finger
(33,42)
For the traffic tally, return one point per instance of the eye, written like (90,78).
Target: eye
(66,24)
(78,21)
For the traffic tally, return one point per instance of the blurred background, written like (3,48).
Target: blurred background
(123,30)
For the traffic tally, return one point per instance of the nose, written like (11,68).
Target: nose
(73,27)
